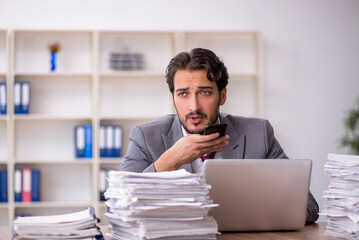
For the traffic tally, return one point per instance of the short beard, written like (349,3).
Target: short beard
(212,120)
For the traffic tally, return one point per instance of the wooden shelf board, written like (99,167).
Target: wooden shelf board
(30,117)
(221,33)
(122,74)
(104,161)
(124,118)
(85,161)
(51,75)
(134,32)
(4,205)
(52,31)
(52,204)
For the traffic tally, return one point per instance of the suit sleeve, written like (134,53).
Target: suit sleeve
(274,150)
(138,158)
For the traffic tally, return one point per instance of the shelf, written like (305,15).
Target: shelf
(4,50)
(84,89)
(145,43)
(85,161)
(102,204)
(52,204)
(35,117)
(111,161)
(221,33)
(129,74)
(129,118)
(74,56)
(4,205)
(52,75)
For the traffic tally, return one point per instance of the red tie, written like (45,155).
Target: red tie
(208,156)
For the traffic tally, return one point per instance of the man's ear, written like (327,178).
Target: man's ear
(223,96)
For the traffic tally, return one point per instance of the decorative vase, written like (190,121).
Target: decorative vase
(53,61)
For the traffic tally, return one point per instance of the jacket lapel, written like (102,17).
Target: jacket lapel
(237,142)
(172,137)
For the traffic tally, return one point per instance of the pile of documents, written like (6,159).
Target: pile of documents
(77,225)
(342,197)
(164,205)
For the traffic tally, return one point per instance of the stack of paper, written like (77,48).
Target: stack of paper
(164,205)
(78,225)
(342,197)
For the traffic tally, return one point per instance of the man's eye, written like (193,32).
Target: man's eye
(182,94)
(205,92)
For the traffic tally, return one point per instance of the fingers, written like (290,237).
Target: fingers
(215,143)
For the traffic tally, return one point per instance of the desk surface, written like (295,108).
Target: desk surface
(310,232)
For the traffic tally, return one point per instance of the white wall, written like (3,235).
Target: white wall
(311,54)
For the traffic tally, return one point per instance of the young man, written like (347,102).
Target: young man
(197,81)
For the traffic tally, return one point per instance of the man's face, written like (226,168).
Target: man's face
(196,100)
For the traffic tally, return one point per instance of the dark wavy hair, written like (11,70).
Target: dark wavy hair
(198,59)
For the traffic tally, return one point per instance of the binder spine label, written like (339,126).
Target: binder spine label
(25,97)
(102,141)
(3,98)
(17,97)
(79,141)
(88,141)
(18,185)
(109,141)
(26,185)
(117,141)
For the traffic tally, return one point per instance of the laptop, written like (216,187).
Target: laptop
(259,194)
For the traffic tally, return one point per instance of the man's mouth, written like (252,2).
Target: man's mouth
(195,119)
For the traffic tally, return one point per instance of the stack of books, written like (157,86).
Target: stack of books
(164,205)
(77,225)
(342,197)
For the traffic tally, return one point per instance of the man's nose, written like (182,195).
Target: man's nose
(194,104)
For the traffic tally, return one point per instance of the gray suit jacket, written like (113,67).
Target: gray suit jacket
(250,138)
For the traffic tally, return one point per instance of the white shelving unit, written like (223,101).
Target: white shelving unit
(85,90)
(4,119)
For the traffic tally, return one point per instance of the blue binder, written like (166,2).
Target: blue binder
(21,97)
(109,141)
(3,98)
(25,97)
(18,184)
(102,141)
(88,141)
(3,186)
(35,188)
(79,141)
(17,97)
(117,146)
